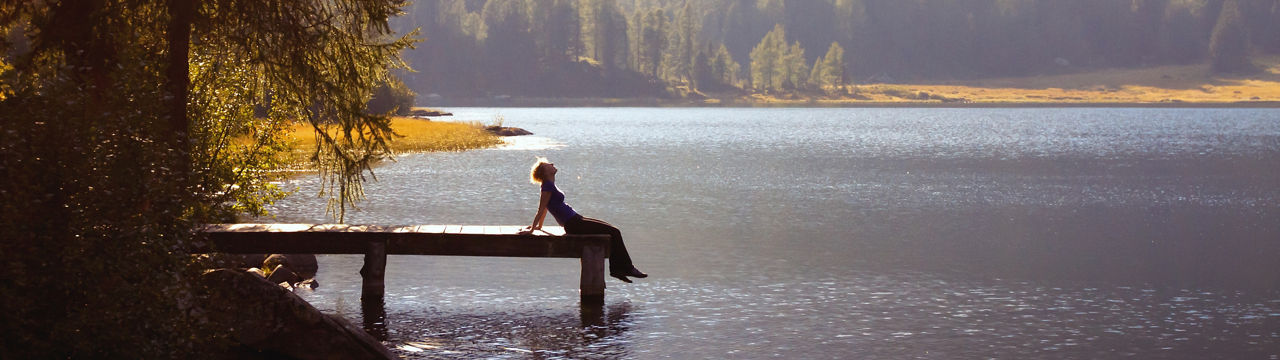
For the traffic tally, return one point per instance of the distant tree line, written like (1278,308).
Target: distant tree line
(656,47)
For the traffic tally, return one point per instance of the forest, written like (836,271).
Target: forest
(679,48)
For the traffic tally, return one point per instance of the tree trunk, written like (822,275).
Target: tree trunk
(177,86)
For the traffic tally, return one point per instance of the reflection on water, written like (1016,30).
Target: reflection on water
(540,335)
(373,313)
(850,233)
(529,143)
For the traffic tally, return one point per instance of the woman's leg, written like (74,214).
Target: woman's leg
(619,260)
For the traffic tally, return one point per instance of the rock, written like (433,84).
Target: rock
(304,265)
(282,274)
(270,322)
(427,112)
(257,271)
(243,261)
(507,131)
(308,283)
(274,260)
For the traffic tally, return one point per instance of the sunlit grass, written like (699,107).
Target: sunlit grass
(1161,84)
(416,135)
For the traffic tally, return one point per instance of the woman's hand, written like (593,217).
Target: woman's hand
(526,230)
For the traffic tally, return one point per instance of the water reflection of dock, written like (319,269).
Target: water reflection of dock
(596,330)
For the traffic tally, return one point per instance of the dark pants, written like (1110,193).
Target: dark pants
(619,260)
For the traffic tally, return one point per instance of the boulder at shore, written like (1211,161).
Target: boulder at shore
(270,322)
(507,131)
(428,113)
(304,265)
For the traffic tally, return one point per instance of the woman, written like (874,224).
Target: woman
(552,201)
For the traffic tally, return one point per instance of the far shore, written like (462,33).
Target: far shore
(658,102)
(1172,86)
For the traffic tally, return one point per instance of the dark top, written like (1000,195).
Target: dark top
(556,206)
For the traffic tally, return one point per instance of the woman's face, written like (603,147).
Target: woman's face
(549,169)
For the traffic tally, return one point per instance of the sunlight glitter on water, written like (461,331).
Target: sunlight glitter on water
(529,143)
(848,233)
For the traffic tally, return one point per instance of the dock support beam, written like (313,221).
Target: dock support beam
(374,271)
(372,306)
(591,288)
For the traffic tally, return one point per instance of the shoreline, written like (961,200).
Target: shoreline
(679,103)
(1169,86)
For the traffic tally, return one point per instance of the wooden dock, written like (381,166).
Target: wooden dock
(378,241)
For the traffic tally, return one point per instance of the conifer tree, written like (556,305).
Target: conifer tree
(768,69)
(796,72)
(1229,44)
(816,74)
(126,123)
(725,68)
(833,66)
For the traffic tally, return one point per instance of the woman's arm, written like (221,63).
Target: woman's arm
(541,215)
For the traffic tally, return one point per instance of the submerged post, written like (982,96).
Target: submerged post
(591,288)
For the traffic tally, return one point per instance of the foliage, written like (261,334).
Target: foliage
(833,67)
(776,66)
(391,97)
(724,68)
(124,127)
(795,70)
(1229,46)
(636,48)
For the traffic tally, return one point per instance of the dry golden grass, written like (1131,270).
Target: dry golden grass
(1192,84)
(416,136)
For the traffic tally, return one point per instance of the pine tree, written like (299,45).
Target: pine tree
(817,75)
(134,121)
(768,67)
(762,62)
(679,56)
(833,66)
(1229,44)
(724,67)
(797,72)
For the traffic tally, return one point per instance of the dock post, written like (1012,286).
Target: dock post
(591,287)
(374,271)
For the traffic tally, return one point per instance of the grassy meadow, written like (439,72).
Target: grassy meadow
(414,135)
(1187,84)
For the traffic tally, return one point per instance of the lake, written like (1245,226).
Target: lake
(846,233)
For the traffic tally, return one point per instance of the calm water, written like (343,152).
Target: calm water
(848,233)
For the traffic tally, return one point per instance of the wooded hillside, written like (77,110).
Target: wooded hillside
(625,48)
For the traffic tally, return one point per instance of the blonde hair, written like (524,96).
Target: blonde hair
(535,174)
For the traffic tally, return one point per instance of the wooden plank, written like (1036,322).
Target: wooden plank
(403,229)
(492,245)
(331,228)
(402,240)
(289,242)
(553,230)
(433,229)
